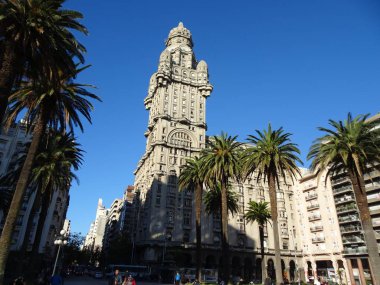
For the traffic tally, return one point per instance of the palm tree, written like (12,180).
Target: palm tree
(352,146)
(53,171)
(259,212)
(57,157)
(192,178)
(213,201)
(272,156)
(222,163)
(48,105)
(36,38)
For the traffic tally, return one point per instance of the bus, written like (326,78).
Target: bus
(137,271)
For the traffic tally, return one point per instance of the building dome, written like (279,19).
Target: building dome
(179,34)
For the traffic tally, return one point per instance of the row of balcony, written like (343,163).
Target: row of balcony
(342,189)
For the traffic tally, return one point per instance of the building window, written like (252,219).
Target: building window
(187,218)
(187,202)
(158,201)
(159,188)
(186,236)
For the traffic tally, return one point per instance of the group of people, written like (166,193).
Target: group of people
(118,279)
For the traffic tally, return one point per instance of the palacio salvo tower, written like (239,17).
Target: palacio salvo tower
(176,130)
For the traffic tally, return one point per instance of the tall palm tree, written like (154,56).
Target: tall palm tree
(192,178)
(36,38)
(272,156)
(47,105)
(352,146)
(222,163)
(259,212)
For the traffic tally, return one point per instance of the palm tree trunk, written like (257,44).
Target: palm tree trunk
(8,71)
(263,275)
(198,210)
(368,231)
(45,199)
(274,214)
(225,245)
(22,184)
(29,226)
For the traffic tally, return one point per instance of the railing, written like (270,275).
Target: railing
(353,240)
(316,228)
(350,229)
(318,239)
(311,196)
(348,219)
(343,200)
(339,180)
(343,189)
(314,217)
(346,208)
(355,250)
(313,206)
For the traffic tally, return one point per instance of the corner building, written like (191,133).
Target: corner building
(165,232)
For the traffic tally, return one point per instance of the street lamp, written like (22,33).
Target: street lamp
(61,240)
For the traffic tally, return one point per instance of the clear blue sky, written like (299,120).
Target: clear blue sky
(292,63)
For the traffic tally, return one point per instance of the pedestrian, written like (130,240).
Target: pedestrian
(129,280)
(317,281)
(117,280)
(177,278)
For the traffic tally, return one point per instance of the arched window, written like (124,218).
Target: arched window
(181,139)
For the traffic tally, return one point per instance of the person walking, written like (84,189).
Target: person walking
(117,280)
(177,278)
(129,280)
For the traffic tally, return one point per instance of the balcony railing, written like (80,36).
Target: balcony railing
(344,199)
(312,207)
(314,217)
(352,240)
(350,229)
(349,207)
(318,239)
(311,196)
(356,250)
(345,219)
(316,228)
(339,180)
(342,189)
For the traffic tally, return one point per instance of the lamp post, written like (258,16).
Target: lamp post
(61,240)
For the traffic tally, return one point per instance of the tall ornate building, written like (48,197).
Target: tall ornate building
(176,102)
(165,232)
